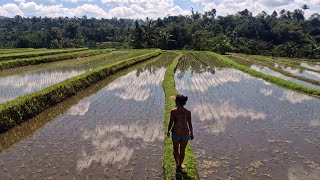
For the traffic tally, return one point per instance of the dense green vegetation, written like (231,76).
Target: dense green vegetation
(168,160)
(269,78)
(285,33)
(21,109)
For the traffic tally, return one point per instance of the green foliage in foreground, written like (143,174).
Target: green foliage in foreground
(168,160)
(23,108)
(50,58)
(269,78)
(11,56)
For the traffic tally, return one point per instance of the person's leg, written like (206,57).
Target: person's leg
(176,151)
(183,145)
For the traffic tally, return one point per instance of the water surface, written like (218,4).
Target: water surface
(115,133)
(246,128)
(18,82)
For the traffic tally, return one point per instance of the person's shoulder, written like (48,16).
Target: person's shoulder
(173,110)
(188,111)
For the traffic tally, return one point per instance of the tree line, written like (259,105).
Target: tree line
(284,33)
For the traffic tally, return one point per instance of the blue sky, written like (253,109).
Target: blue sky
(137,9)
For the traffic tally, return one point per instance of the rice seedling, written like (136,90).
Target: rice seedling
(31,79)
(49,58)
(287,73)
(272,79)
(242,124)
(27,54)
(27,106)
(116,122)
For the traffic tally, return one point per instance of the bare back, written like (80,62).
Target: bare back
(180,117)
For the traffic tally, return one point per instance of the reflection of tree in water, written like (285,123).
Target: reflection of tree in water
(163,60)
(189,62)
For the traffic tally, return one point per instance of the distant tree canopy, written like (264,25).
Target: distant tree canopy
(284,33)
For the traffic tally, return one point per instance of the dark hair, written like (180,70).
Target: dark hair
(181,99)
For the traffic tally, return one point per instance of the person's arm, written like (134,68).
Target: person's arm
(170,124)
(190,124)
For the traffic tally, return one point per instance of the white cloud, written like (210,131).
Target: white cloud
(141,8)
(135,9)
(76,1)
(10,10)
(148,8)
(225,7)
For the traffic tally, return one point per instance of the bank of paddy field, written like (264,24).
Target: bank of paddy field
(248,124)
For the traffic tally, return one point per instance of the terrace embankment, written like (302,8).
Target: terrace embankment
(49,58)
(17,82)
(275,80)
(44,52)
(299,76)
(21,109)
(169,165)
(247,128)
(114,132)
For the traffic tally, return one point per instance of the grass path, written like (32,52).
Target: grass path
(168,160)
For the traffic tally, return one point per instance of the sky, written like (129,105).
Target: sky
(140,9)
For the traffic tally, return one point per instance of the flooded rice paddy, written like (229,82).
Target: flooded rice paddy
(311,66)
(266,70)
(17,82)
(269,71)
(114,133)
(246,128)
(300,72)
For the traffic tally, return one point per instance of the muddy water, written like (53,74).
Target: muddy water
(246,128)
(115,133)
(17,82)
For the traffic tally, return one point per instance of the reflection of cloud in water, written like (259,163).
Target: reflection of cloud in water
(205,80)
(220,113)
(315,123)
(315,66)
(79,109)
(111,143)
(15,86)
(268,71)
(266,92)
(294,97)
(299,173)
(137,91)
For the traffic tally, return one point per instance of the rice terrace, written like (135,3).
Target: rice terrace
(102,114)
(160,90)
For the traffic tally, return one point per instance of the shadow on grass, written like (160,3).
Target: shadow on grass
(182,175)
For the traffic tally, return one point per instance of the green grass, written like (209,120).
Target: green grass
(27,54)
(168,160)
(269,78)
(26,107)
(50,58)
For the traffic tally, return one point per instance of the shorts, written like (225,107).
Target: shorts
(180,138)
